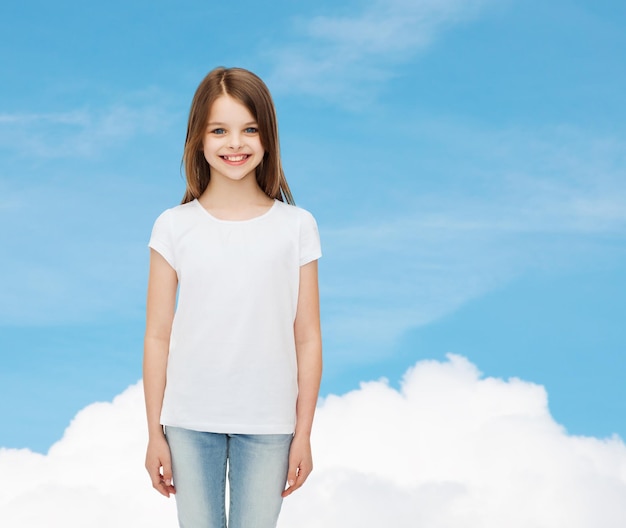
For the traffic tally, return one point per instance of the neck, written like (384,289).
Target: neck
(228,194)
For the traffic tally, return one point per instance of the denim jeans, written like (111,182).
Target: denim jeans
(257,473)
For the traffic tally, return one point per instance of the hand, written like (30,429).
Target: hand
(159,465)
(300,464)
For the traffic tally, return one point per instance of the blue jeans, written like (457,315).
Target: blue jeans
(257,473)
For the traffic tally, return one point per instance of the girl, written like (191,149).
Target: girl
(232,368)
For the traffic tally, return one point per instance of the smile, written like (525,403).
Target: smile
(239,157)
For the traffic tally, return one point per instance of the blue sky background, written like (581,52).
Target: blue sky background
(466,162)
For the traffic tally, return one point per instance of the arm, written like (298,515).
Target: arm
(162,284)
(308,339)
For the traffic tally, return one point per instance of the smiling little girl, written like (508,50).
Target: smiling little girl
(232,355)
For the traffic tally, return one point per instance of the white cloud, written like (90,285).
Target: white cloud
(454,450)
(498,205)
(67,118)
(83,132)
(450,449)
(80,189)
(342,57)
(92,477)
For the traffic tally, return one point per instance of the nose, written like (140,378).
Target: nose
(235,141)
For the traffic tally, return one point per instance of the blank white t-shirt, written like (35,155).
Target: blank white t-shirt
(232,362)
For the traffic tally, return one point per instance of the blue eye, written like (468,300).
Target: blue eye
(218,131)
(251,130)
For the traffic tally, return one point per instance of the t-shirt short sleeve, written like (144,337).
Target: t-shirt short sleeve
(161,239)
(310,248)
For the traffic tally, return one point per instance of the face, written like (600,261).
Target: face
(231,145)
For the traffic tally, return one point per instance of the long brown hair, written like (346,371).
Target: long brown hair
(250,91)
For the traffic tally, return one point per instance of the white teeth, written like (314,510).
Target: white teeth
(235,158)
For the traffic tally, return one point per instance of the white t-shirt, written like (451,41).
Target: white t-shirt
(232,361)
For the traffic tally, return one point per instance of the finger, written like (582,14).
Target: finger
(165,489)
(159,482)
(154,471)
(167,471)
(301,476)
(300,479)
(166,479)
(292,474)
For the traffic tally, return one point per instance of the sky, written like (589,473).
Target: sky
(466,164)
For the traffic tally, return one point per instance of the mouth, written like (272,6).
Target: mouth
(235,159)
